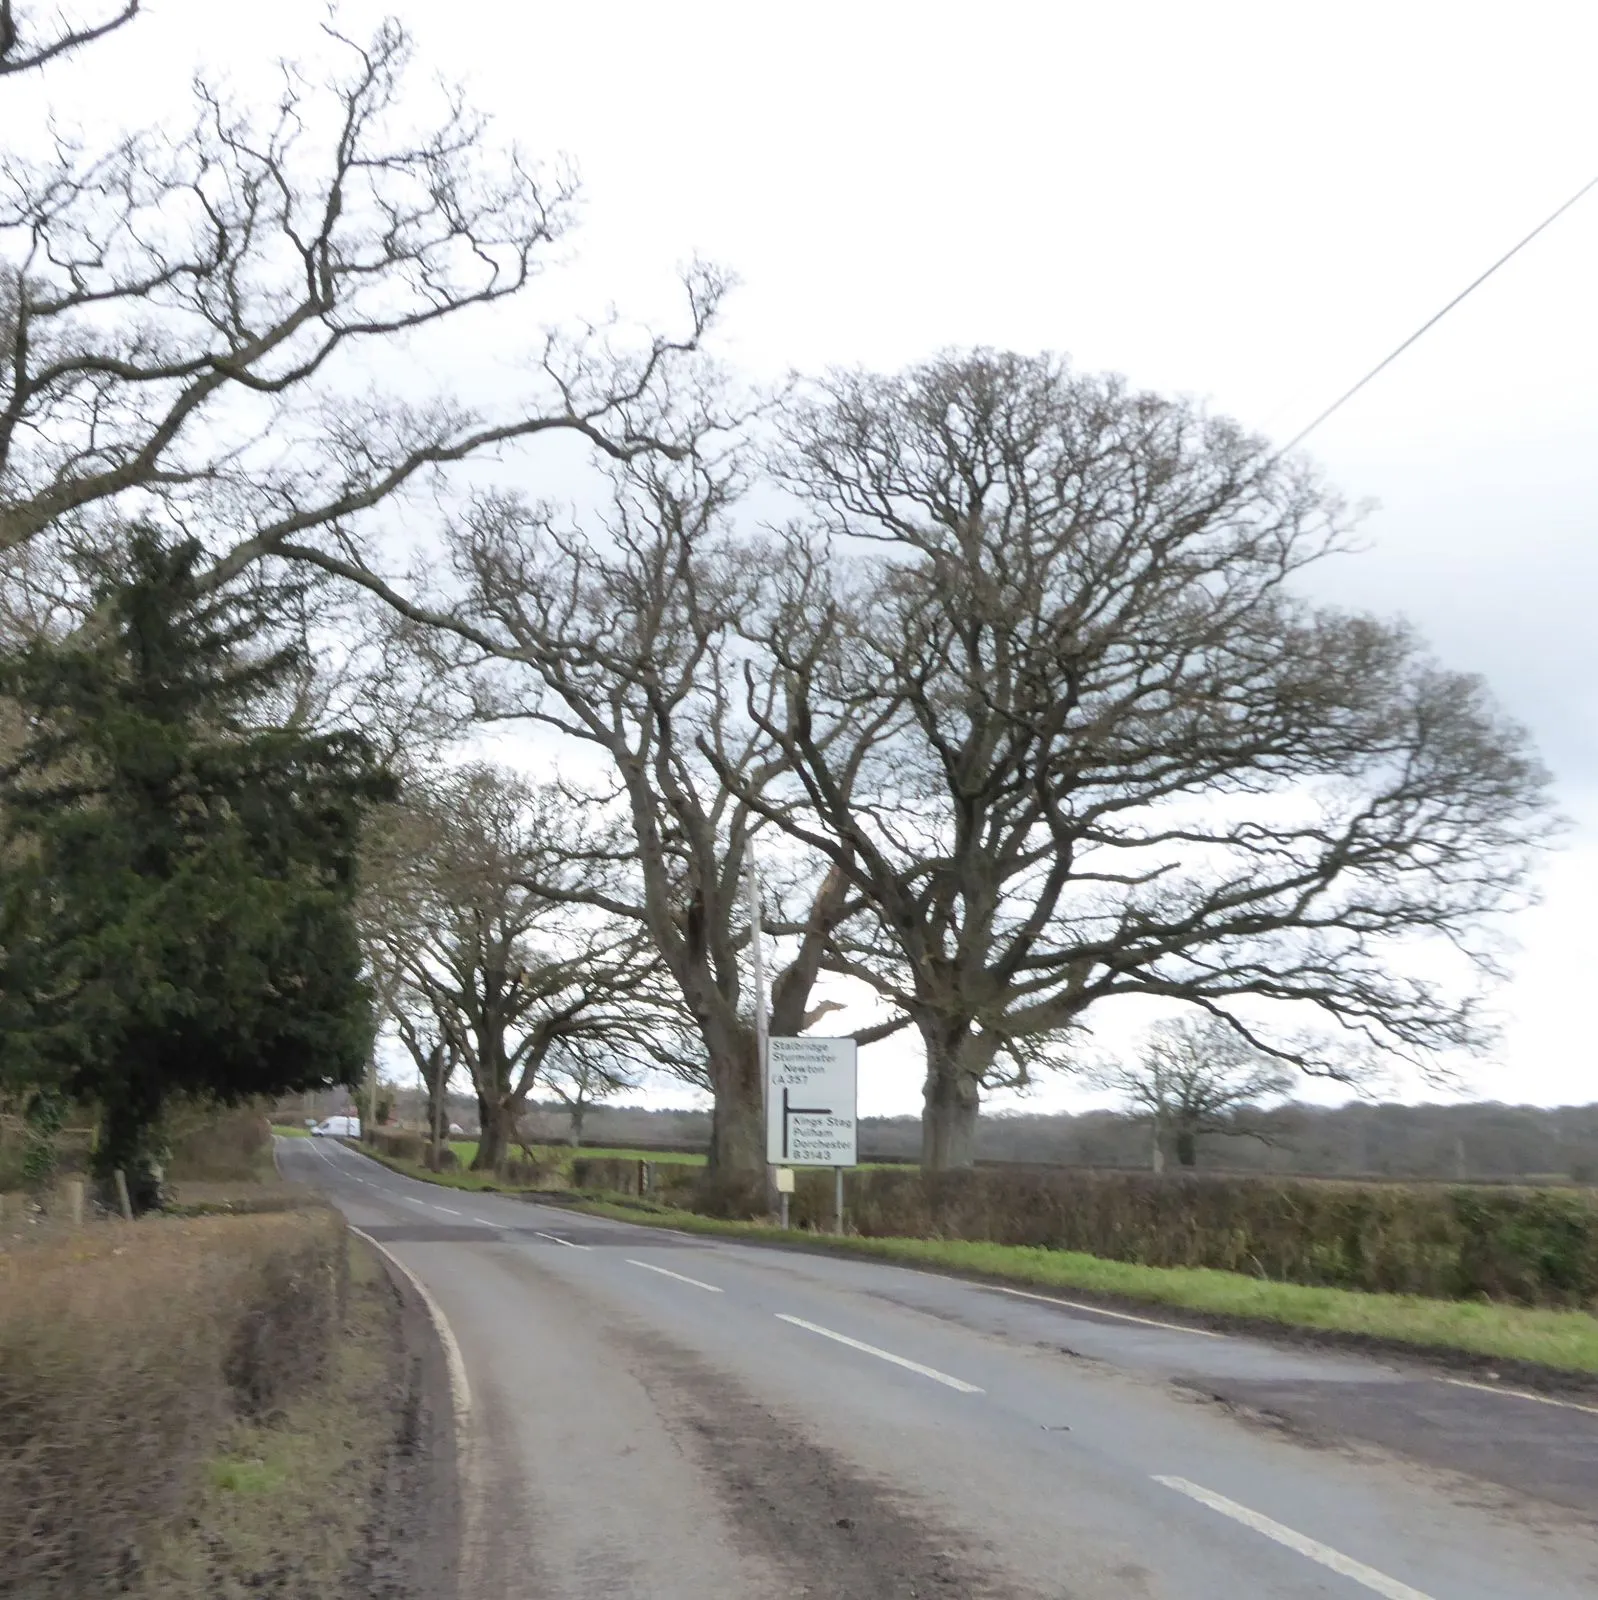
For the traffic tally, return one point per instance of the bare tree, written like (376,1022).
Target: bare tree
(192,323)
(506,974)
(1074,736)
(1192,1077)
(581,1076)
(625,648)
(25,44)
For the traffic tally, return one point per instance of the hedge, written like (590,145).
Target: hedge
(1536,1247)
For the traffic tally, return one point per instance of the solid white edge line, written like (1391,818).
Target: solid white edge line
(883,1355)
(460,1392)
(555,1238)
(1324,1554)
(1099,1311)
(666,1272)
(1521,1394)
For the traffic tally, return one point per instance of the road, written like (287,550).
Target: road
(659,1415)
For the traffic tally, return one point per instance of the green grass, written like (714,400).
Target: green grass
(475,1182)
(563,1155)
(291,1130)
(1567,1340)
(247,1475)
(678,1157)
(557,1156)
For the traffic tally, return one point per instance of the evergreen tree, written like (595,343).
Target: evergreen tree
(176,907)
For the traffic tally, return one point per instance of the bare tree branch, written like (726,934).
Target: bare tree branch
(23,48)
(194,326)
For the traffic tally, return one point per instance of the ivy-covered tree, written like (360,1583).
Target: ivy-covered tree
(176,873)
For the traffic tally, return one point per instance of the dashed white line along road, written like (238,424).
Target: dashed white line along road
(666,1272)
(1521,1394)
(1099,1311)
(1334,1560)
(883,1355)
(555,1238)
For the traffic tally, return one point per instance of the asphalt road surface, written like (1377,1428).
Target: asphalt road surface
(655,1415)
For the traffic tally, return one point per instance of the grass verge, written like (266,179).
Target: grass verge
(558,1157)
(458,1178)
(562,1155)
(285,1501)
(1563,1340)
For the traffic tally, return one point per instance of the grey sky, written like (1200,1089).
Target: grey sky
(1250,203)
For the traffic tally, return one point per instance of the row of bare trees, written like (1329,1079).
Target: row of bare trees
(1014,682)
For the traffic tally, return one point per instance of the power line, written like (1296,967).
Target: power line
(1303,433)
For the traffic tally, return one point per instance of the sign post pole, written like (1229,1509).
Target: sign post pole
(837,1197)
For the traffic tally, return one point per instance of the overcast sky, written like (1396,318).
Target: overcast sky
(1248,203)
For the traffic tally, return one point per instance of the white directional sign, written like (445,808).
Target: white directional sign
(810,1102)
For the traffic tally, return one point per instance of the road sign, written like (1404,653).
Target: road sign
(810,1102)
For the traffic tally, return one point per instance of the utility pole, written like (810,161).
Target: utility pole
(752,875)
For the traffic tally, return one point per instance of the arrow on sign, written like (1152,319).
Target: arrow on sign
(791,1111)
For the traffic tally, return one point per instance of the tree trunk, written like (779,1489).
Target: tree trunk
(499,1133)
(129,1140)
(574,1131)
(436,1079)
(957,1061)
(950,1107)
(738,1136)
(1186,1147)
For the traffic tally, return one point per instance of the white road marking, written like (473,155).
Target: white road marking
(448,1210)
(460,1391)
(883,1355)
(485,1222)
(666,1272)
(556,1239)
(1333,1560)
(1521,1394)
(1099,1311)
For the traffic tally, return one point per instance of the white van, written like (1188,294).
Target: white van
(338,1128)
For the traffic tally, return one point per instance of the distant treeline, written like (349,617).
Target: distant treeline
(1476,1141)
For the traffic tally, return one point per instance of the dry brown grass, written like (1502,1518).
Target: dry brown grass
(127,1353)
(282,1507)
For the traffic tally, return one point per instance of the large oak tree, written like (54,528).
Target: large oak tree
(1059,711)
